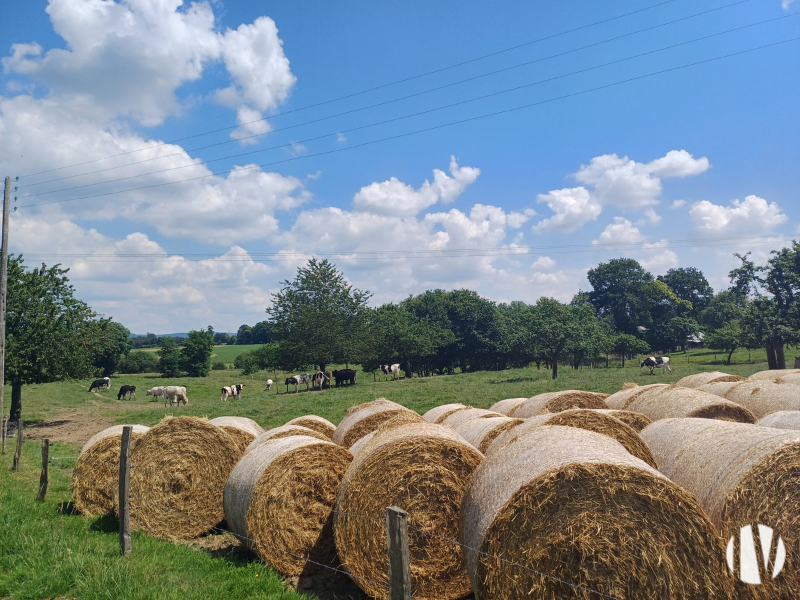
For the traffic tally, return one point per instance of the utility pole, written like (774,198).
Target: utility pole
(3,283)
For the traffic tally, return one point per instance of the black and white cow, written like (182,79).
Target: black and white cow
(344,376)
(269,385)
(393,370)
(320,379)
(233,391)
(130,390)
(656,362)
(297,380)
(98,383)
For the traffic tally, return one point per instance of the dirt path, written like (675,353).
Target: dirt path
(72,426)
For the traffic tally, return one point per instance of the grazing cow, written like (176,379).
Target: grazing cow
(233,391)
(344,376)
(297,380)
(393,370)
(319,379)
(98,383)
(269,385)
(177,393)
(654,363)
(155,392)
(130,390)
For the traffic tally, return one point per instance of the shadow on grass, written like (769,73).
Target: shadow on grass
(515,380)
(106,524)
(67,508)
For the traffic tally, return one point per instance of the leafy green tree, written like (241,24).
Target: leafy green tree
(195,355)
(169,362)
(555,326)
(112,344)
(243,335)
(592,339)
(690,285)
(724,307)
(624,344)
(517,341)
(224,338)
(261,333)
(727,338)
(145,341)
(621,291)
(138,362)
(318,318)
(48,331)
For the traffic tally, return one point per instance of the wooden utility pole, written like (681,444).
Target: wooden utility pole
(399,562)
(3,282)
(45,462)
(125,492)
(18,453)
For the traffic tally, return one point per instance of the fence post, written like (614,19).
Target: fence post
(399,565)
(18,453)
(124,492)
(45,462)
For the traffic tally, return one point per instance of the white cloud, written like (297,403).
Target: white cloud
(650,216)
(543,263)
(251,126)
(340,137)
(296,149)
(752,217)
(393,197)
(658,258)
(785,4)
(572,207)
(620,231)
(678,204)
(654,256)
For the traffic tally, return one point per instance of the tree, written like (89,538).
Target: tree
(112,344)
(224,338)
(169,362)
(195,355)
(243,335)
(624,344)
(318,317)
(621,292)
(727,338)
(261,333)
(555,326)
(49,333)
(691,285)
(139,362)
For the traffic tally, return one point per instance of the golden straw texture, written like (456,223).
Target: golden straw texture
(507,406)
(356,448)
(772,375)
(241,429)
(316,423)
(569,513)
(362,419)
(628,393)
(553,402)
(439,413)
(634,420)
(698,379)
(668,401)
(462,416)
(783,419)
(280,497)
(95,478)
(482,432)
(762,397)
(422,468)
(284,431)
(719,388)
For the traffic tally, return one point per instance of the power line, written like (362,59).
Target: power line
(401,98)
(426,129)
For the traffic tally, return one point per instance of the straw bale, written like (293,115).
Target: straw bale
(422,468)
(741,475)
(280,497)
(181,466)
(507,406)
(621,399)
(482,432)
(462,416)
(668,401)
(316,423)
(363,418)
(763,397)
(591,420)
(772,374)
(698,379)
(783,419)
(356,448)
(553,402)
(284,431)
(793,378)
(629,384)
(95,478)
(241,429)
(719,388)
(572,508)
(439,413)
(634,420)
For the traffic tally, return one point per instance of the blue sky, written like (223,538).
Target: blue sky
(677,169)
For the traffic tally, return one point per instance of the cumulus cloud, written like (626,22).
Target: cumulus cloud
(785,4)
(654,256)
(393,197)
(678,204)
(751,217)
(619,231)
(542,263)
(572,207)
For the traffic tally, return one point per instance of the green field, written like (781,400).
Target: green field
(224,353)
(45,552)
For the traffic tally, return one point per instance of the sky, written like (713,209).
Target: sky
(184,159)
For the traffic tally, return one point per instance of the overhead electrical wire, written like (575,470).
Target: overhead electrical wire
(401,98)
(426,129)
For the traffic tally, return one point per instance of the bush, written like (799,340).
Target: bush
(244,358)
(218,366)
(138,362)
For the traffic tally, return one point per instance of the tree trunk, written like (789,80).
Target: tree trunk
(322,366)
(623,360)
(16,399)
(555,367)
(772,361)
(730,354)
(407,369)
(780,356)
(538,364)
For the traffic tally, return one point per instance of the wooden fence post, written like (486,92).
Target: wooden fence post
(125,492)
(45,461)
(18,453)
(399,565)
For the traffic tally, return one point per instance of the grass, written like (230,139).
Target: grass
(227,354)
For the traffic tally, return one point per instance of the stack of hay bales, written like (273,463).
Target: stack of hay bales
(423,469)
(763,397)
(95,478)
(462,416)
(662,401)
(316,423)
(366,418)
(698,379)
(591,420)
(439,413)
(279,499)
(181,467)
(551,516)
(772,375)
(720,388)
(634,420)
(507,406)
(282,432)
(482,432)
(783,419)
(553,402)
(742,475)
(241,429)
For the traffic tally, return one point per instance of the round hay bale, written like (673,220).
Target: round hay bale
(316,423)
(567,513)
(439,413)
(507,406)
(673,401)
(181,466)
(741,475)
(284,431)
(634,420)
(553,402)
(621,399)
(698,379)
(422,468)
(95,478)
(783,419)
(591,420)
(362,419)
(763,397)
(720,388)
(482,432)
(462,416)
(772,375)
(241,429)
(356,448)
(280,498)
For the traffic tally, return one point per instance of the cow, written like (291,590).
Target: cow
(233,391)
(269,385)
(177,393)
(155,392)
(98,383)
(297,380)
(319,379)
(393,370)
(654,363)
(130,390)
(344,376)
